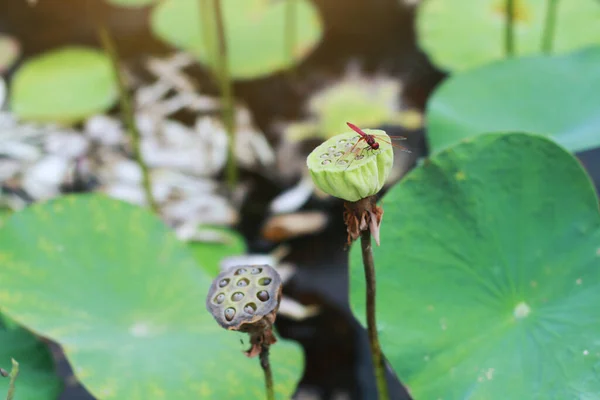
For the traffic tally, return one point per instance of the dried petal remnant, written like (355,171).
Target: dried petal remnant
(361,216)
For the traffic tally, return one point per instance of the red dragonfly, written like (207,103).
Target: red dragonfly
(338,153)
(371,140)
(351,145)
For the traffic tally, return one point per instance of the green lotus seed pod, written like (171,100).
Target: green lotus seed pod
(350,171)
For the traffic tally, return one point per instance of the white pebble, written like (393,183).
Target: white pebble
(43,179)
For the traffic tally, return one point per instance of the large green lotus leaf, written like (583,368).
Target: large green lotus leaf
(551,95)
(209,254)
(125,299)
(64,85)
(458,35)
(488,274)
(36,379)
(254,30)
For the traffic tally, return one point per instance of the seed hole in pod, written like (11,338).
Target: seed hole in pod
(243,282)
(325,162)
(223,282)
(237,296)
(360,157)
(263,295)
(324,155)
(343,162)
(341,141)
(219,298)
(240,271)
(256,270)
(229,313)
(338,154)
(331,149)
(250,308)
(264,281)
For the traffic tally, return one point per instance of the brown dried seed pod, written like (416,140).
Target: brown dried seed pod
(245,297)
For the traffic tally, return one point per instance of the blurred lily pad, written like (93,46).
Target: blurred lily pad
(551,95)
(112,284)
(488,274)
(64,85)
(36,380)
(132,3)
(209,254)
(254,29)
(9,51)
(365,102)
(462,34)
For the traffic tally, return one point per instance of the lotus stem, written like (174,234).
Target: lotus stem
(14,372)
(549,26)
(290,32)
(128,116)
(509,37)
(266,367)
(226,88)
(378,366)
(208,31)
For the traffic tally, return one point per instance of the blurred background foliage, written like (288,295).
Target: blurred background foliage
(490,239)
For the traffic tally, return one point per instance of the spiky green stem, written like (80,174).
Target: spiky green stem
(226,87)
(509,39)
(549,26)
(14,372)
(128,115)
(290,32)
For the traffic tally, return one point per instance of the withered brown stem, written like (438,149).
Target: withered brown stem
(266,366)
(369,264)
(261,334)
(363,218)
(261,339)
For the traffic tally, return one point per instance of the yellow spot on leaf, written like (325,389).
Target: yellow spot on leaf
(40,213)
(460,176)
(5,257)
(205,390)
(46,246)
(520,11)
(157,392)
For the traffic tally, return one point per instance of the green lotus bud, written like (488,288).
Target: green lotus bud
(347,167)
